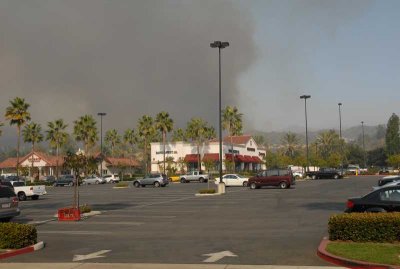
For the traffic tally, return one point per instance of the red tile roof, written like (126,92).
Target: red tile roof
(9,163)
(239,140)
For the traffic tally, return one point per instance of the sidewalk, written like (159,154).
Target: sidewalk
(148,266)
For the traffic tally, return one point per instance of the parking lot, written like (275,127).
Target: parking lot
(171,225)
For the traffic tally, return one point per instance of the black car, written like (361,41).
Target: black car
(382,200)
(388,179)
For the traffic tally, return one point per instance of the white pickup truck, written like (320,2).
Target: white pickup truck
(194,176)
(22,191)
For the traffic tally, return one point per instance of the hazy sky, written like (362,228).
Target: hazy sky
(128,58)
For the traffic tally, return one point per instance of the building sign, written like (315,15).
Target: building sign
(251,149)
(167,152)
(35,159)
(235,151)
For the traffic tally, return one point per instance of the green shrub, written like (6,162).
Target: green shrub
(122,184)
(365,227)
(207,191)
(15,235)
(85,208)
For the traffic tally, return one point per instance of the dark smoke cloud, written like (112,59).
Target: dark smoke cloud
(125,58)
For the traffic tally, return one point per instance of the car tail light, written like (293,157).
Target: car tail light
(350,204)
(14,201)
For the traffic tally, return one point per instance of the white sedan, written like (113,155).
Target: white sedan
(233,180)
(93,180)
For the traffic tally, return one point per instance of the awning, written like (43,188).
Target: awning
(191,158)
(256,159)
(240,158)
(214,157)
(248,159)
(228,157)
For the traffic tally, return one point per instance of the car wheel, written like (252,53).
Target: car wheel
(245,184)
(71,184)
(253,186)
(183,180)
(21,196)
(201,180)
(35,197)
(136,184)
(96,182)
(157,184)
(335,176)
(296,177)
(283,185)
(313,177)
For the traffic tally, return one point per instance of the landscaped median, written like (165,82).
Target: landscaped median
(363,240)
(17,239)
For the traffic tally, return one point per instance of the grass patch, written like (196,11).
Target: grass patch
(383,253)
(122,184)
(208,191)
(85,208)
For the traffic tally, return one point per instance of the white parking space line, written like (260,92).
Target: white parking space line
(133,216)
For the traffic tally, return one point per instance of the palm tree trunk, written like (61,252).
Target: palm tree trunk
(145,155)
(233,156)
(19,135)
(57,162)
(198,157)
(164,150)
(33,149)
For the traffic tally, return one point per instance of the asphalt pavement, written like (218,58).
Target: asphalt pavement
(171,225)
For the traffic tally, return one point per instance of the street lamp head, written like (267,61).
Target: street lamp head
(101,114)
(305,96)
(340,104)
(219,44)
(362,123)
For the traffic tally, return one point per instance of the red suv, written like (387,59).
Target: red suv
(282,178)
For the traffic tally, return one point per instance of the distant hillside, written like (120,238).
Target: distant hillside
(374,136)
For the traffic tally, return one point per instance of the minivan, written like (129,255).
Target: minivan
(282,178)
(8,203)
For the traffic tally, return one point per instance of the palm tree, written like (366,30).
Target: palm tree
(32,134)
(57,137)
(328,142)
(1,131)
(17,113)
(290,141)
(165,125)
(112,139)
(85,130)
(131,138)
(179,135)
(198,132)
(146,132)
(232,121)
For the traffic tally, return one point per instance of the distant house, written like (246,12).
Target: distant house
(241,151)
(45,165)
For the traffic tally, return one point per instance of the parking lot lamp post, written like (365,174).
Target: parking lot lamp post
(340,136)
(220,45)
(101,114)
(305,97)
(363,142)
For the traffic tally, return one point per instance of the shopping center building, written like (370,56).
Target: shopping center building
(240,151)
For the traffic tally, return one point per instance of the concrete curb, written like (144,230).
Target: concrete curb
(15,252)
(127,187)
(207,194)
(323,254)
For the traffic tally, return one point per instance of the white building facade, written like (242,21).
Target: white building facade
(241,152)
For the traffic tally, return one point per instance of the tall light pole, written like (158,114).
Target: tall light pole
(101,114)
(305,97)
(363,142)
(340,136)
(220,45)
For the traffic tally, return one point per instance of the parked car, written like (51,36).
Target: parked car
(194,176)
(174,178)
(383,181)
(297,174)
(23,191)
(93,180)
(394,183)
(385,199)
(65,180)
(155,180)
(113,178)
(8,204)
(282,178)
(49,179)
(233,180)
(325,173)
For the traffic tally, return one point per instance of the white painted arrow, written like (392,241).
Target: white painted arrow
(218,255)
(94,255)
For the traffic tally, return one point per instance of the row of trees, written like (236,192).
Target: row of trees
(85,130)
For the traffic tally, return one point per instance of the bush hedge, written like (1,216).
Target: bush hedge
(365,227)
(15,235)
